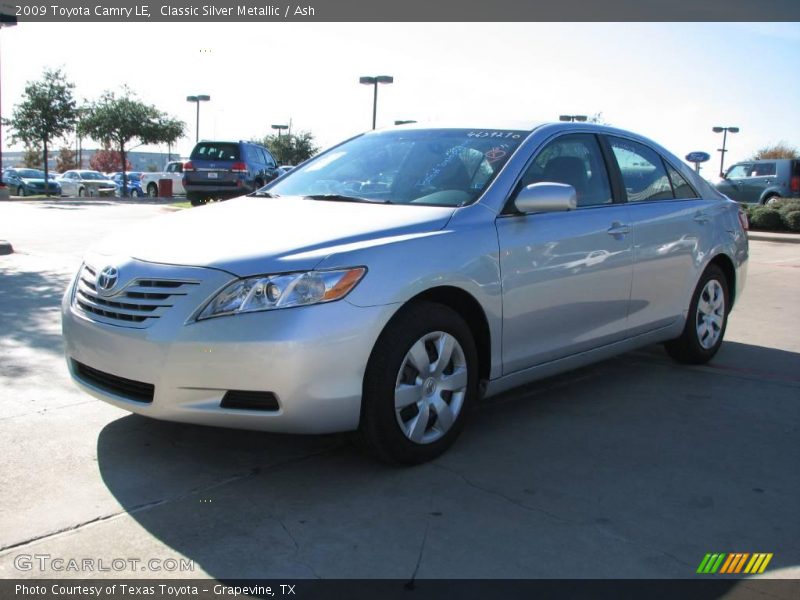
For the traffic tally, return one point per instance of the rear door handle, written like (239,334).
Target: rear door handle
(618,228)
(702,217)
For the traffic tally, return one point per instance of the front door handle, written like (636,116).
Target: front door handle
(618,229)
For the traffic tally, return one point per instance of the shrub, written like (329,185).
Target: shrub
(791,220)
(786,205)
(764,217)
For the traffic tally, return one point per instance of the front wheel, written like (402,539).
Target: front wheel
(81,192)
(706,322)
(421,379)
(20,191)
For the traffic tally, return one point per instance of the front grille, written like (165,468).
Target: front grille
(127,388)
(249,400)
(138,304)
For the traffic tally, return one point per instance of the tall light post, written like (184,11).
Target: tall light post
(724,131)
(197,100)
(572,118)
(6,20)
(280,128)
(374,81)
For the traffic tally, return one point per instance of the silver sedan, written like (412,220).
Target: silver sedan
(385,285)
(80,182)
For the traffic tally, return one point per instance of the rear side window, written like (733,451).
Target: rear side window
(575,160)
(268,160)
(643,171)
(763,169)
(680,186)
(215,151)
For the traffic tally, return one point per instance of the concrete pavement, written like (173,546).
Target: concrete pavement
(635,467)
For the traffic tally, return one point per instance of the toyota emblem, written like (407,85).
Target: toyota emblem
(107,279)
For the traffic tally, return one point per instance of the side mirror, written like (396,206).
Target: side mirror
(546,197)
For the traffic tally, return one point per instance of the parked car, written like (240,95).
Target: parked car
(79,182)
(219,170)
(173,171)
(134,187)
(761,181)
(29,182)
(387,283)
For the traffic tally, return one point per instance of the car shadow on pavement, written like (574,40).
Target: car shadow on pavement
(631,467)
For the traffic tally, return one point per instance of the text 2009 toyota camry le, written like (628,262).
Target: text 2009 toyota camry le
(387,283)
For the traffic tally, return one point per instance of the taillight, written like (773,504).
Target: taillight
(743,220)
(795,184)
(188,166)
(238,167)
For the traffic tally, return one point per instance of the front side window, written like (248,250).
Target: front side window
(443,167)
(643,171)
(739,171)
(577,161)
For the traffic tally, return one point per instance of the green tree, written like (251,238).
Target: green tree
(291,148)
(47,112)
(779,150)
(119,119)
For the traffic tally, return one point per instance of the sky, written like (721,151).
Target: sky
(669,81)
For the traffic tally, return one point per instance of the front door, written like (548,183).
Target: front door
(566,276)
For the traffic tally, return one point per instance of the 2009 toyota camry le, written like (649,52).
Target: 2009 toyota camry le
(386,284)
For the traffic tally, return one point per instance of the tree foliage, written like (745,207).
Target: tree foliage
(779,150)
(47,112)
(66,160)
(32,157)
(107,160)
(117,120)
(291,148)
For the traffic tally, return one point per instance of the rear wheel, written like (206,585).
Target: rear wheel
(421,379)
(196,200)
(152,190)
(706,322)
(770,200)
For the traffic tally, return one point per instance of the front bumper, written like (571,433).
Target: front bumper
(311,358)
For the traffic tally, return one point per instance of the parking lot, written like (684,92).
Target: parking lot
(632,468)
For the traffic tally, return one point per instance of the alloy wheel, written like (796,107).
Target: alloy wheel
(710,314)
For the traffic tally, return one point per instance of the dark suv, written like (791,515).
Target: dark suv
(761,181)
(219,170)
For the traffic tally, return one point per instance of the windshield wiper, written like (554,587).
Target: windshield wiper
(264,195)
(343,198)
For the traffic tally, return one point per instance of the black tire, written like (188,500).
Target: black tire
(21,191)
(135,193)
(688,348)
(380,432)
(258,185)
(769,199)
(152,190)
(81,192)
(196,200)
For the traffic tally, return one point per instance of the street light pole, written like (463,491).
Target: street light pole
(197,100)
(374,81)
(724,131)
(279,128)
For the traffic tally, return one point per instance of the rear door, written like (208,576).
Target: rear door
(566,276)
(762,176)
(672,230)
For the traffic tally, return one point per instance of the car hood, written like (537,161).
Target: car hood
(251,236)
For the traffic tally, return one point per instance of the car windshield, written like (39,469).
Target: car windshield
(30,173)
(438,167)
(92,175)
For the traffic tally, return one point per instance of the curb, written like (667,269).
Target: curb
(764,236)
(5,248)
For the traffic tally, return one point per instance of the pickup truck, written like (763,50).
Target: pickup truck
(173,170)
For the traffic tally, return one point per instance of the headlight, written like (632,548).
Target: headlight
(269,292)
